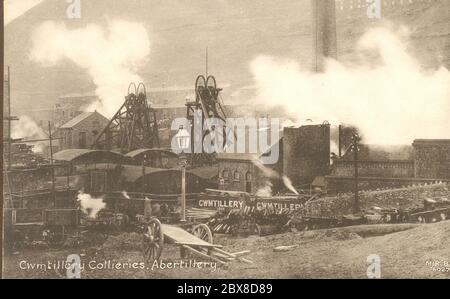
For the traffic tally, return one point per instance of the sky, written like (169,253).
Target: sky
(15,8)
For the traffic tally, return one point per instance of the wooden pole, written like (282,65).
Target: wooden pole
(355,150)
(340,141)
(143,175)
(68,180)
(51,163)
(9,122)
(206,71)
(183,191)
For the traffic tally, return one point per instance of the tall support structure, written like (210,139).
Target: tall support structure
(134,125)
(8,118)
(324,32)
(355,148)
(208,101)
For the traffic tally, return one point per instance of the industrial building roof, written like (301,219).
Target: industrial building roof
(86,155)
(205,172)
(76,120)
(141,151)
(241,157)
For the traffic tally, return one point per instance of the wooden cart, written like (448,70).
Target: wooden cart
(199,242)
(47,226)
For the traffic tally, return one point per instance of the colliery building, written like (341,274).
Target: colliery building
(427,161)
(81,131)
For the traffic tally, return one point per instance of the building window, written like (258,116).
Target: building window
(225,174)
(248,177)
(236,176)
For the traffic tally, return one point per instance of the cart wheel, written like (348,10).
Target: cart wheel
(203,232)
(153,241)
(55,238)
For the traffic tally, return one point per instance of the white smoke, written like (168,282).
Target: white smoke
(125,194)
(265,191)
(111,57)
(288,183)
(89,205)
(25,128)
(272,174)
(268,172)
(388,96)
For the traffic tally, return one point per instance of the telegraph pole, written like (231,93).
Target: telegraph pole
(206,66)
(51,163)
(355,139)
(144,159)
(9,121)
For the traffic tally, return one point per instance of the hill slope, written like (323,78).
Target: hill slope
(234,31)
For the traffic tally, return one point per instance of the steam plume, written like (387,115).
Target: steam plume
(393,102)
(288,183)
(111,57)
(125,194)
(272,174)
(89,205)
(27,129)
(265,191)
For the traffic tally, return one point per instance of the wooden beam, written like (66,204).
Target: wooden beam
(201,254)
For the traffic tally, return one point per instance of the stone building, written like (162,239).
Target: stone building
(81,131)
(427,162)
(238,172)
(71,105)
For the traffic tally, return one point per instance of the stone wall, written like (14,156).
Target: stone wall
(345,184)
(90,127)
(403,198)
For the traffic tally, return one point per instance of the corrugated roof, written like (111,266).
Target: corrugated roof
(205,172)
(76,120)
(135,153)
(244,156)
(72,155)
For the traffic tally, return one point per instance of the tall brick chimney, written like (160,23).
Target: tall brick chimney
(324,32)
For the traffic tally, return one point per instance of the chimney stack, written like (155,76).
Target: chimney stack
(324,32)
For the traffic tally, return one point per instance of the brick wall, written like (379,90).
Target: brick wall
(248,173)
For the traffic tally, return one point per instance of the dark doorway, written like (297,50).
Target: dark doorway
(248,182)
(82,140)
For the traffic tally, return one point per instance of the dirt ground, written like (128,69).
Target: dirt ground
(405,251)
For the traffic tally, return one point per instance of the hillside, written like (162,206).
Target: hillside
(234,31)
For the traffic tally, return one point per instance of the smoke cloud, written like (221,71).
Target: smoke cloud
(265,191)
(272,174)
(89,205)
(111,56)
(288,183)
(387,95)
(27,129)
